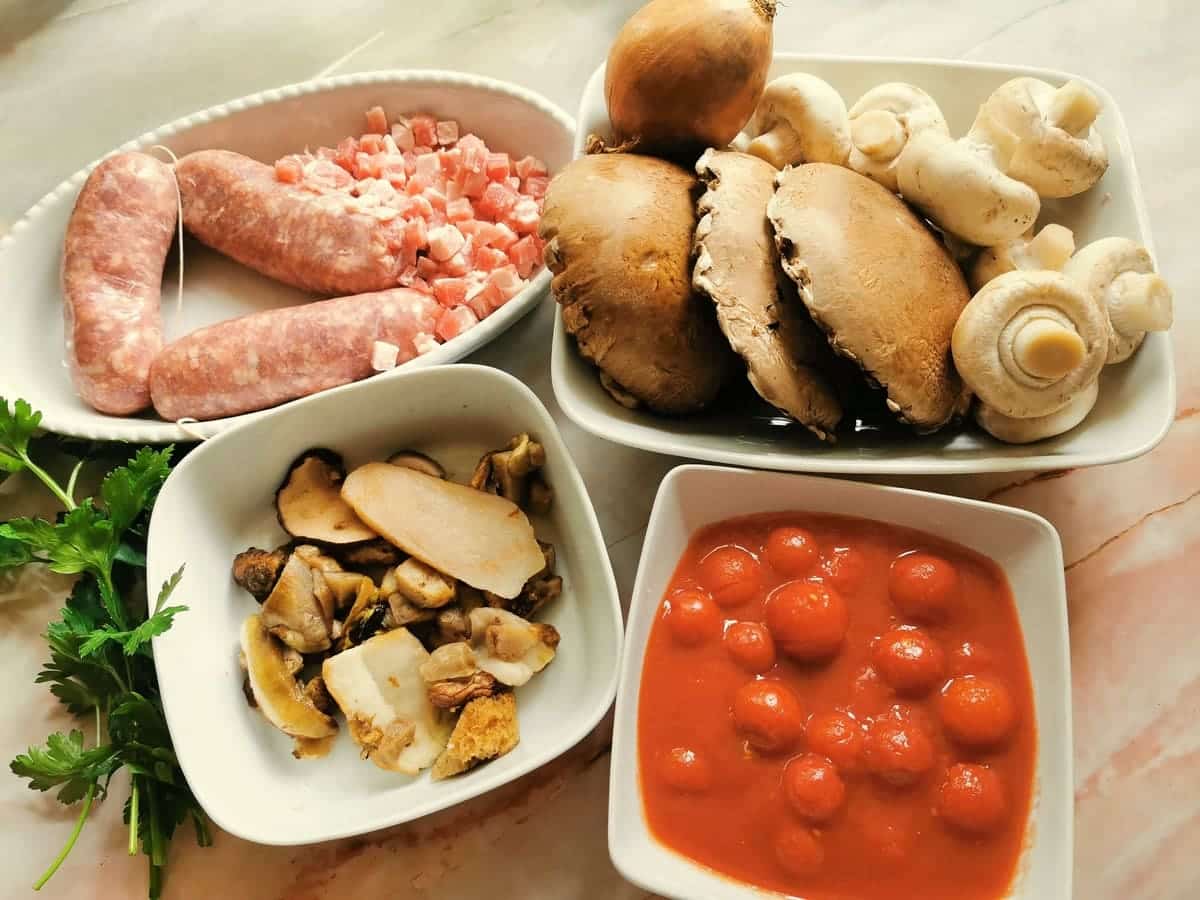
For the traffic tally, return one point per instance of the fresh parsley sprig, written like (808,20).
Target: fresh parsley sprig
(101,667)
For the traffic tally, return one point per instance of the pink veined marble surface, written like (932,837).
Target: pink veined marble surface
(78,78)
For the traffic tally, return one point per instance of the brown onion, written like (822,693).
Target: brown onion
(687,74)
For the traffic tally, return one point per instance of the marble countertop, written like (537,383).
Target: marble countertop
(78,78)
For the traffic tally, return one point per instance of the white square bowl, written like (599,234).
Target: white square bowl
(1024,545)
(220,500)
(1137,398)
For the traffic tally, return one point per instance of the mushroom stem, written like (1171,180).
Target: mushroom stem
(1074,108)
(1052,247)
(779,146)
(1047,349)
(1140,302)
(878,133)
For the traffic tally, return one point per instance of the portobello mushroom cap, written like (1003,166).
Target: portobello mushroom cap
(619,241)
(309,502)
(878,282)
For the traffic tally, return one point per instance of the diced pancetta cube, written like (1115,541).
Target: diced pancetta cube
(513,182)
(394,172)
(420,205)
(485,300)
(429,166)
(530,165)
(524,217)
(415,185)
(473,183)
(422,149)
(535,185)
(290,170)
(450,160)
(347,153)
(450,292)
(437,218)
(416,235)
(461,262)
(444,242)
(497,166)
(499,236)
(379,187)
(420,284)
(474,153)
(377,122)
(436,199)
(389,145)
(459,210)
(428,268)
(454,189)
(488,258)
(371,143)
(406,278)
(383,356)
(447,132)
(496,202)
(423,343)
(454,322)
(525,255)
(424,129)
(403,136)
(329,153)
(507,280)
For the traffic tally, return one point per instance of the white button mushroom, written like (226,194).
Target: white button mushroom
(1026,431)
(800,119)
(883,121)
(1045,135)
(1120,276)
(1047,251)
(1029,342)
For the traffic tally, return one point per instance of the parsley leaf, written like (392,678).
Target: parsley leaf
(65,764)
(82,541)
(17,426)
(14,553)
(129,489)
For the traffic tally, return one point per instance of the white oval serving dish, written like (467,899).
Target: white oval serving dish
(1137,398)
(1024,545)
(265,126)
(220,500)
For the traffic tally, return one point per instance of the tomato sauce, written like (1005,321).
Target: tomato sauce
(839,709)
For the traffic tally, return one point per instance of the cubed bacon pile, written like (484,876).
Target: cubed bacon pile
(462,219)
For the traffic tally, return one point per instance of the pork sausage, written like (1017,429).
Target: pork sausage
(269,357)
(116,244)
(235,205)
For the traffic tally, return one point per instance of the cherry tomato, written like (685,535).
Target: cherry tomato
(969,657)
(813,788)
(972,798)
(732,575)
(692,617)
(977,710)
(768,714)
(898,748)
(889,838)
(686,770)
(751,646)
(798,850)
(808,620)
(845,568)
(923,586)
(838,737)
(791,551)
(910,660)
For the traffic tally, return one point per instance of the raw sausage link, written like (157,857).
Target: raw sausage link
(235,205)
(116,244)
(269,357)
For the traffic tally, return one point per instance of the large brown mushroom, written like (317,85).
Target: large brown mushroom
(737,266)
(876,280)
(619,241)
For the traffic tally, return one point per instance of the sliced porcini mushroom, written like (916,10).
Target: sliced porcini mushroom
(453,676)
(411,459)
(882,123)
(276,691)
(512,473)
(309,502)
(619,232)
(800,119)
(293,612)
(318,695)
(1119,274)
(1045,135)
(368,616)
(961,186)
(378,687)
(370,554)
(455,660)
(786,355)
(316,559)
(422,585)
(451,625)
(877,282)
(1029,342)
(486,729)
(257,570)
(1047,251)
(475,537)
(344,587)
(509,647)
(1026,431)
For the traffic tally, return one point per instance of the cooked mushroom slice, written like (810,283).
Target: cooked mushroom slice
(275,689)
(378,686)
(455,660)
(411,459)
(453,693)
(786,355)
(317,560)
(451,625)
(537,593)
(312,748)
(541,496)
(1047,251)
(1029,342)
(309,502)
(318,695)
(469,535)
(367,616)
(293,613)
(509,647)
(1026,431)
(878,283)
(344,586)
(512,473)
(487,729)
(370,555)
(258,570)
(422,585)
(454,677)
(405,613)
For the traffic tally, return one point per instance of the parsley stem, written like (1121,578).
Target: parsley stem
(134,794)
(62,855)
(49,482)
(72,479)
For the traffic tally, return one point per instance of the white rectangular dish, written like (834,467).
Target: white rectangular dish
(1024,545)
(220,500)
(1137,398)
(265,126)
